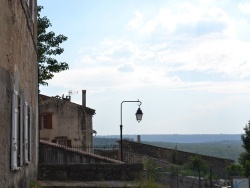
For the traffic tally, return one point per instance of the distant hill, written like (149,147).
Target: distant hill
(228,146)
(229,149)
(179,138)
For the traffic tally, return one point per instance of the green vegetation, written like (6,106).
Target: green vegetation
(152,170)
(48,46)
(244,159)
(153,175)
(230,149)
(151,184)
(235,170)
(34,184)
(196,162)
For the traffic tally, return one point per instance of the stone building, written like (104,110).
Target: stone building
(66,123)
(18,93)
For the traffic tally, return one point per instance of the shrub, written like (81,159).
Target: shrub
(235,170)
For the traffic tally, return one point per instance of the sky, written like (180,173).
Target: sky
(188,62)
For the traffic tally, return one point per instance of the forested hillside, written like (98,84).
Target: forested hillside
(229,149)
(224,149)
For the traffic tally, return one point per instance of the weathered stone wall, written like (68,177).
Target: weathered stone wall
(50,153)
(68,120)
(91,172)
(64,120)
(18,68)
(179,181)
(169,155)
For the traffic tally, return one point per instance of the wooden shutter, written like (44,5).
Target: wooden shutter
(26,134)
(20,140)
(49,121)
(40,121)
(29,132)
(14,144)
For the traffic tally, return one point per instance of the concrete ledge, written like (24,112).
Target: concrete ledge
(59,152)
(91,172)
(78,184)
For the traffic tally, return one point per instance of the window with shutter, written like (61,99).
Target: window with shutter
(40,122)
(14,132)
(47,121)
(29,133)
(26,122)
(20,133)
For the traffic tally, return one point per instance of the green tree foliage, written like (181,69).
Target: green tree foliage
(235,170)
(246,138)
(48,46)
(244,158)
(196,162)
(152,170)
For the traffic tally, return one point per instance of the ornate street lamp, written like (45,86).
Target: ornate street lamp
(138,115)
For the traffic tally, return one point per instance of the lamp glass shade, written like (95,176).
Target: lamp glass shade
(139,115)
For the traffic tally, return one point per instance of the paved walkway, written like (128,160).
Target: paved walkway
(78,184)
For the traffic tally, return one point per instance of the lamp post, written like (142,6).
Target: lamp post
(138,115)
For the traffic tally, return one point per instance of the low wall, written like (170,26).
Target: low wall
(90,172)
(50,153)
(169,155)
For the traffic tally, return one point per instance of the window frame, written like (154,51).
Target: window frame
(16,133)
(48,117)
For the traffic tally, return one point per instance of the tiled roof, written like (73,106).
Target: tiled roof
(43,98)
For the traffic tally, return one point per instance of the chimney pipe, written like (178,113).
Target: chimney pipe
(84,98)
(139,138)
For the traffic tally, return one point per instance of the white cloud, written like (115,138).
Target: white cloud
(186,19)
(135,22)
(244,7)
(127,65)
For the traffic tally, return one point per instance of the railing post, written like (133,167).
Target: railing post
(211,182)
(199,171)
(177,177)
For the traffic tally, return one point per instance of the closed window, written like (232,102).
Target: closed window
(27,133)
(45,121)
(16,132)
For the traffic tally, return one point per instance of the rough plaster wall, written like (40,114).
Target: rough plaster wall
(65,120)
(49,106)
(17,53)
(5,121)
(68,120)
(89,130)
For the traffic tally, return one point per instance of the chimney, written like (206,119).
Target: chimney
(139,138)
(84,98)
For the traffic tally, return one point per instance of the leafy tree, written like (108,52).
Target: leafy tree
(235,170)
(48,46)
(246,138)
(196,162)
(151,166)
(244,158)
